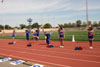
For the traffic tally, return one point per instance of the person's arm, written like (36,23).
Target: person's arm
(93,33)
(45,37)
(14,31)
(32,35)
(88,34)
(64,33)
(87,27)
(58,33)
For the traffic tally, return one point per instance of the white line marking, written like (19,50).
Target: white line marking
(73,49)
(35,60)
(56,52)
(54,56)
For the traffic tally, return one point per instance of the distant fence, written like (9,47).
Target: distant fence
(23,30)
(48,29)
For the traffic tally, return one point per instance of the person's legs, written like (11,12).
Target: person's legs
(48,41)
(61,43)
(91,44)
(38,36)
(34,37)
(61,40)
(13,38)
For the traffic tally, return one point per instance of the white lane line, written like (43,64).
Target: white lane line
(33,60)
(73,49)
(57,52)
(54,56)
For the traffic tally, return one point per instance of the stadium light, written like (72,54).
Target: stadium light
(29,20)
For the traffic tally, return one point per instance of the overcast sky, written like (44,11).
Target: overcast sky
(15,12)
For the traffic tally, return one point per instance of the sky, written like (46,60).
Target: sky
(15,12)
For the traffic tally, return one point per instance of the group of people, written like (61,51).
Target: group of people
(47,36)
(61,36)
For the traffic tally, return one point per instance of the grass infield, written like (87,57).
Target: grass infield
(79,36)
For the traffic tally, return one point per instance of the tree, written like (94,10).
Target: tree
(65,25)
(1,26)
(89,22)
(69,24)
(35,25)
(78,23)
(84,24)
(47,25)
(95,23)
(23,26)
(61,25)
(99,23)
(8,27)
(73,25)
(17,27)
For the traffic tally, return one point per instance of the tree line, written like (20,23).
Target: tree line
(78,23)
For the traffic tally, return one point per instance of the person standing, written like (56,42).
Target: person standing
(13,36)
(61,36)
(91,34)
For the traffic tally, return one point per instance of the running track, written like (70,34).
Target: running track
(54,57)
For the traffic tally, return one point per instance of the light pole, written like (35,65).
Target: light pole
(87,12)
(3,17)
(54,22)
(29,20)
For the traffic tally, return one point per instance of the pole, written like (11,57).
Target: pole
(3,17)
(4,29)
(54,22)
(30,20)
(30,26)
(87,12)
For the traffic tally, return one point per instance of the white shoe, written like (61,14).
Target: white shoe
(91,47)
(14,42)
(61,46)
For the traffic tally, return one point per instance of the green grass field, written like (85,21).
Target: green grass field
(79,36)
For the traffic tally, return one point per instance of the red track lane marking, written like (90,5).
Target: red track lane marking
(35,60)
(54,56)
(56,52)
(72,50)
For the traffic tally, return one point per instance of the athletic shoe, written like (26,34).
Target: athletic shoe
(91,47)
(14,42)
(61,46)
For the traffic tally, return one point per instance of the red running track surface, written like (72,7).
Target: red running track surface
(54,57)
